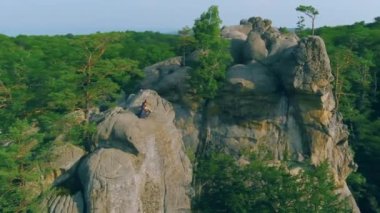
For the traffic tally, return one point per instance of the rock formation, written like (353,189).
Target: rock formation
(66,203)
(277,99)
(138,164)
(281,97)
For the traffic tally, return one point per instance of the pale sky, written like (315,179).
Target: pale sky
(89,16)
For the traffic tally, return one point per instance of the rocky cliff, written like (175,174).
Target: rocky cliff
(138,164)
(277,99)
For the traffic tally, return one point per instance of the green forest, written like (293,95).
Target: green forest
(43,79)
(354,53)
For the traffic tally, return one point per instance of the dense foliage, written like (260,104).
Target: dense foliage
(225,186)
(209,71)
(48,83)
(354,54)
(186,43)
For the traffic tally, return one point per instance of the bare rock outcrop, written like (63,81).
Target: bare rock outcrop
(167,78)
(282,99)
(262,43)
(278,98)
(65,161)
(66,204)
(140,164)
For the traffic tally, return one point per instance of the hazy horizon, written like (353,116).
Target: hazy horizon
(52,17)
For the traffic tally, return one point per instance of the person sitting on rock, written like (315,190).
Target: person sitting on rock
(144,110)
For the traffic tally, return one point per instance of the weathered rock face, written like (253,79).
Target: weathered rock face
(140,164)
(65,162)
(137,165)
(255,39)
(167,77)
(278,98)
(282,99)
(66,204)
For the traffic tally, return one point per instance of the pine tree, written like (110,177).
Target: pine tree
(209,71)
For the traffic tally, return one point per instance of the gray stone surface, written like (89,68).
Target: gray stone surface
(237,34)
(66,204)
(255,47)
(155,177)
(255,39)
(237,31)
(313,72)
(167,77)
(277,99)
(254,77)
(65,160)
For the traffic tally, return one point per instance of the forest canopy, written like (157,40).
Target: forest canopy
(47,82)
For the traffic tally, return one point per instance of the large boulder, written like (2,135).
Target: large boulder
(253,77)
(237,34)
(236,31)
(256,39)
(255,48)
(140,164)
(312,72)
(167,77)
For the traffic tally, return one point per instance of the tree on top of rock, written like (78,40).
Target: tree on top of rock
(209,71)
(311,12)
(207,29)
